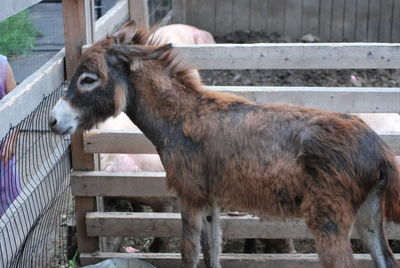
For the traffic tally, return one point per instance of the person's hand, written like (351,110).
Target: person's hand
(8,148)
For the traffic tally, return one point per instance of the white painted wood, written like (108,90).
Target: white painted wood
(234,227)
(10,8)
(110,21)
(228,260)
(17,105)
(90,21)
(293,56)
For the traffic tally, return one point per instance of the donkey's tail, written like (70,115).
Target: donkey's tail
(390,172)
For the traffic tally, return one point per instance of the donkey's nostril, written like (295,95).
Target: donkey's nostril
(52,122)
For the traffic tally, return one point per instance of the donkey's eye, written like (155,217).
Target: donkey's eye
(89,80)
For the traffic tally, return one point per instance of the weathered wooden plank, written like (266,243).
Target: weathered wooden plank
(396,22)
(337,20)
(130,141)
(385,23)
(179,11)
(258,9)
(231,260)
(102,183)
(14,107)
(111,21)
(293,56)
(192,14)
(10,8)
(349,22)
(310,17)
(223,14)
(374,13)
(76,34)
(139,11)
(241,15)
(361,21)
(276,16)
(325,14)
(293,18)
(207,14)
(234,227)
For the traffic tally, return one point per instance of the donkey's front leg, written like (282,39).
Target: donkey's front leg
(211,237)
(191,231)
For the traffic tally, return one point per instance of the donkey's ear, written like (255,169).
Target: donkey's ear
(126,33)
(153,53)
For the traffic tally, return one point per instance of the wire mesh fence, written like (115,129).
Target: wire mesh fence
(35,199)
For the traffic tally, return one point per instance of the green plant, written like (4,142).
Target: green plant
(72,263)
(17,35)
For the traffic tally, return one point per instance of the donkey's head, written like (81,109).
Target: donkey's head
(99,86)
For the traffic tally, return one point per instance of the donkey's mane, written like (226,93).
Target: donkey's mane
(170,60)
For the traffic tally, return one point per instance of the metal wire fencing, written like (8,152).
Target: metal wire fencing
(35,199)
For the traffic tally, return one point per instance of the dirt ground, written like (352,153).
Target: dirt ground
(325,78)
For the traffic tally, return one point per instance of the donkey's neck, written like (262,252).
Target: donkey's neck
(156,106)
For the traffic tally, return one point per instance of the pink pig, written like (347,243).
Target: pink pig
(183,34)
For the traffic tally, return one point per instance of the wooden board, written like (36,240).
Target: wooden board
(275,16)
(206,12)
(233,227)
(293,56)
(386,17)
(349,20)
(14,107)
(374,9)
(258,20)
(361,21)
(179,11)
(102,183)
(10,8)
(241,15)
(111,21)
(228,260)
(396,22)
(138,11)
(337,20)
(223,14)
(310,18)
(293,18)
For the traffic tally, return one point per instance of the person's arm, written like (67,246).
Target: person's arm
(10,80)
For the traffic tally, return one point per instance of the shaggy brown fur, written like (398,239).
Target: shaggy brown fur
(221,150)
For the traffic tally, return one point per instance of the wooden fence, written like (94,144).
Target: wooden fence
(331,20)
(88,185)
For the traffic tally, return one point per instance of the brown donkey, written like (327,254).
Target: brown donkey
(220,150)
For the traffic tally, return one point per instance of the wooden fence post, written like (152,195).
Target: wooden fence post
(78,30)
(138,11)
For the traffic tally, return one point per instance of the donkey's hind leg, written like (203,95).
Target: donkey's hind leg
(211,237)
(369,224)
(330,222)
